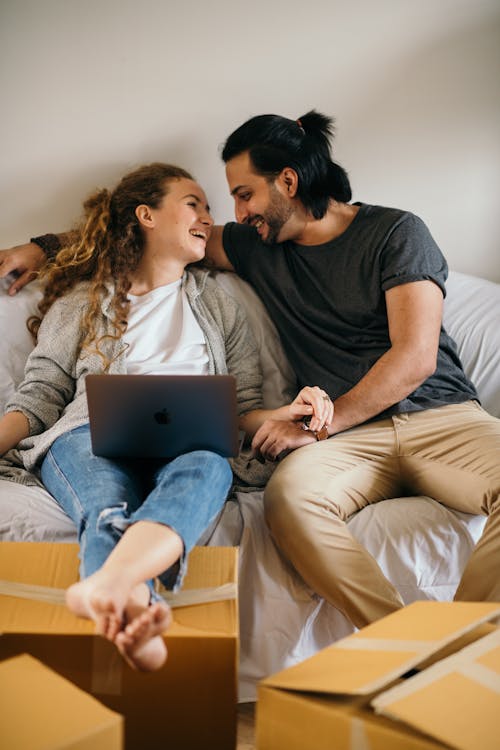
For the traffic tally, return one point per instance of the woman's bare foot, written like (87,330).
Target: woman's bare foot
(140,642)
(104,601)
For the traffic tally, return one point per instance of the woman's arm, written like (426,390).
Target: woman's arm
(49,379)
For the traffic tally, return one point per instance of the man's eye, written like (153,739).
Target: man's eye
(245,196)
(192,203)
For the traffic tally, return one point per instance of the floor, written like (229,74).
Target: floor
(246,726)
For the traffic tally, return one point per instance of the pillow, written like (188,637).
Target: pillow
(279,385)
(15,339)
(472,318)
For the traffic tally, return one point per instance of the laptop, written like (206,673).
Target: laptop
(162,416)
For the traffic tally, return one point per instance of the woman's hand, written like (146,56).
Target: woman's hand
(312,401)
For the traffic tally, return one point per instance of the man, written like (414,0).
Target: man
(356,292)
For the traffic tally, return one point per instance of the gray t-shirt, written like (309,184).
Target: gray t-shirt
(328,303)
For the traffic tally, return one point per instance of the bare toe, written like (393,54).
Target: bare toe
(141,642)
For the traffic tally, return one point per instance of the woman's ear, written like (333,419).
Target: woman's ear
(289,181)
(145,216)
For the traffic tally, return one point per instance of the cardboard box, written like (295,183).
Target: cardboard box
(41,710)
(425,677)
(189,703)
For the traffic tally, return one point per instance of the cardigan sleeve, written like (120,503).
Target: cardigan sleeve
(49,377)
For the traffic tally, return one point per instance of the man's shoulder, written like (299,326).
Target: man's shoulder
(240,233)
(387,214)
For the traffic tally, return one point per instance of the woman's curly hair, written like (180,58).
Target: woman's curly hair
(105,250)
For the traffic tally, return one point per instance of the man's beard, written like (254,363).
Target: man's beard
(276,215)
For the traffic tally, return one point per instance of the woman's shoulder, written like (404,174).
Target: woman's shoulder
(70,304)
(206,284)
(79,293)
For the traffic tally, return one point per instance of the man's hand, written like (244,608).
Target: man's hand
(24,261)
(276,437)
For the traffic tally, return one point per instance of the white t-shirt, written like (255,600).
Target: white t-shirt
(163,335)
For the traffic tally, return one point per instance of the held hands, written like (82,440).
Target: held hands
(312,402)
(24,261)
(277,437)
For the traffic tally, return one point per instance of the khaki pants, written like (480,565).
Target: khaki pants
(451,454)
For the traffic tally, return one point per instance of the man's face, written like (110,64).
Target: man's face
(257,201)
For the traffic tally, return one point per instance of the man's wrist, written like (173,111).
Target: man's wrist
(321,434)
(49,243)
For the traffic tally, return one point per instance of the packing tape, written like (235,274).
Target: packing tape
(107,668)
(463,662)
(185,598)
(30,591)
(359,740)
(225,592)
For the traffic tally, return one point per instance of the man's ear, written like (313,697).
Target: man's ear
(289,180)
(145,216)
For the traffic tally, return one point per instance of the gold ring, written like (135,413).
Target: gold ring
(325,398)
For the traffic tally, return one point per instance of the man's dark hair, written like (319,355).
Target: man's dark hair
(275,142)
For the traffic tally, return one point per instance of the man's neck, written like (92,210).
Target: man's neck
(337,219)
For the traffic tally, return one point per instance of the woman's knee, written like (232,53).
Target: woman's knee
(211,466)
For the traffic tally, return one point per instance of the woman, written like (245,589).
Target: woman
(120,299)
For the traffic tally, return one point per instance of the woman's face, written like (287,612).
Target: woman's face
(182,223)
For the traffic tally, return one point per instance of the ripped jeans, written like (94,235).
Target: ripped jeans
(104,496)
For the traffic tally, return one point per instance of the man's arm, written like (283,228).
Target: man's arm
(414,312)
(26,260)
(215,254)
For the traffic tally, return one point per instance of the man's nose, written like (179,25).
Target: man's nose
(241,213)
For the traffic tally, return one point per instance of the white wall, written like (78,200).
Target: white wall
(91,88)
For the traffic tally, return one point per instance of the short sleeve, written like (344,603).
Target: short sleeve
(411,254)
(239,241)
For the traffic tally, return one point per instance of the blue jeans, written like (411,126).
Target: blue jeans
(104,496)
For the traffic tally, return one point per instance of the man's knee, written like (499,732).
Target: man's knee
(285,500)
(278,491)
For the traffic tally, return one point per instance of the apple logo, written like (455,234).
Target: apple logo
(162,417)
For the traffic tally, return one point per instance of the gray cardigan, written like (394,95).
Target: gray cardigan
(52,395)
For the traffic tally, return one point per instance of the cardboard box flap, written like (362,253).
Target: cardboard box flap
(40,709)
(374,657)
(456,701)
